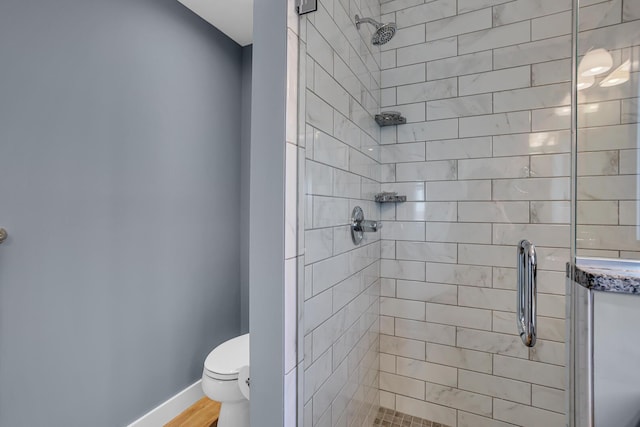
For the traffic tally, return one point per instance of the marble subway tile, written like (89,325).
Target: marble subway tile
(409,152)
(426,410)
(316,374)
(529,371)
(404,75)
(621,187)
(459,148)
(427,91)
(551,399)
(526,9)
(397,230)
(438,129)
(426,211)
(407,270)
(459,358)
(330,151)
(318,244)
(318,179)
(495,124)
(458,190)
(531,143)
(555,95)
(557,24)
(608,237)
(431,372)
(459,274)
(431,11)
(413,112)
(505,35)
(319,113)
(552,235)
(469,5)
(600,15)
(459,24)
(426,251)
(493,212)
(329,90)
(487,299)
(504,388)
(460,107)
(428,292)
(459,399)
(402,347)
(407,37)
(346,184)
(459,65)
(500,167)
(631,11)
(405,309)
(552,165)
(319,50)
(603,212)
(426,171)
(458,232)
(527,416)
(544,212)
(491,342)
(429,51)
(493,255)
(493,81)
(601,163)
(402,385)
(548,352)
(531,189)
(557,71)
(532,53)
(459,316)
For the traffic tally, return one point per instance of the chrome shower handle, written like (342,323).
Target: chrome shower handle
(527,292)
(359,225)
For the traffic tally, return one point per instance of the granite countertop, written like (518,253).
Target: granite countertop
(600,278)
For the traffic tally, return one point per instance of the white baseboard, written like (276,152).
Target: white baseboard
(171,408)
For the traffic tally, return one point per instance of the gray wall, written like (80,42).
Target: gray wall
(119,165)
(245,173)
(266,272)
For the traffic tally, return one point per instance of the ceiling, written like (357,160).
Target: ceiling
(232,17)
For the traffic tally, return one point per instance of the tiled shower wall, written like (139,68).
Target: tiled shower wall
(608,142)
(483,162)
(340,80)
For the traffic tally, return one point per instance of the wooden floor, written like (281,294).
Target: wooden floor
(203,413)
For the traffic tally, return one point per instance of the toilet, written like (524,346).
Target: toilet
(225,379)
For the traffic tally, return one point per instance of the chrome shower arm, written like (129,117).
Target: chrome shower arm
(367,21)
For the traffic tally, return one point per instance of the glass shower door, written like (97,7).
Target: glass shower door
(607,214)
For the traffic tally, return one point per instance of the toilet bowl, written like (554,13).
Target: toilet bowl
(225,379)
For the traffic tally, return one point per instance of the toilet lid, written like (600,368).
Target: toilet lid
(226,359)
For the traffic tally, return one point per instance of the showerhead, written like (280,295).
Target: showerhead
(383,33)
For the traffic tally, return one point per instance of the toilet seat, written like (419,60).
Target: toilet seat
(226,360)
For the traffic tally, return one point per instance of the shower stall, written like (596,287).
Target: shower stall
(498,121)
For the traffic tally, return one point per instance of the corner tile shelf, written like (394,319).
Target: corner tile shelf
(390,198)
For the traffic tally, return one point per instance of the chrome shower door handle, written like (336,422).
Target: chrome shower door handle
(527,292)
(3,235)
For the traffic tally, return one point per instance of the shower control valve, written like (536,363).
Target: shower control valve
(359,225)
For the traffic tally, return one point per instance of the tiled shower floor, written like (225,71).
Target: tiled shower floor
(391,418)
